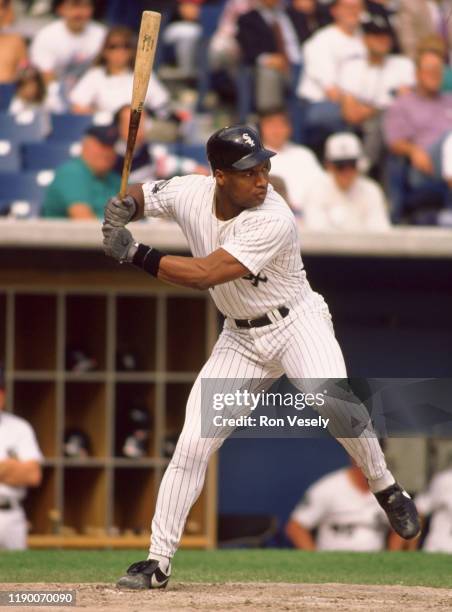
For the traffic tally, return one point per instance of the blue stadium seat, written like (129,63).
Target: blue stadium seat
(68,127)
(194,151)
(28,126)
(9,156)
(25,186)
(6,95)
(48,155)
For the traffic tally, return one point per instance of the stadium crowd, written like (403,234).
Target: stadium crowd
(354,95)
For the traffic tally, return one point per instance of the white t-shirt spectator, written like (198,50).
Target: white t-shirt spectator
(56,49)
(362,207)
(346,517)
(109,92)
(377,86)
(299,169)
(437,501)
(324,56)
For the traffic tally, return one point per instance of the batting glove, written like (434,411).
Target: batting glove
(118,212)
(119,243)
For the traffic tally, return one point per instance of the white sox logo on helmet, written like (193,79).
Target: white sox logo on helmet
(247,138)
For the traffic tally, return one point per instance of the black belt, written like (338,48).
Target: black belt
(265,320)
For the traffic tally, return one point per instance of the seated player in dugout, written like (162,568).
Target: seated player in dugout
(246,251)
(20,467)
(339,512)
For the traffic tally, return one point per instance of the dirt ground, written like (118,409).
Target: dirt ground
(252,597)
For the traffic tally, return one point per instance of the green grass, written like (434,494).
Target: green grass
(221,566)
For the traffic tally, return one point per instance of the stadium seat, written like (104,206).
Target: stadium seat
(6,95)
(194,151)
(68,127)
(27,187)
(48,155)
(28,126)
(9,156)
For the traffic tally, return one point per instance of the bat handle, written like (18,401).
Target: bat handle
(135,117)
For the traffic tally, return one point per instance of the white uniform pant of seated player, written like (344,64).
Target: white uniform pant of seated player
(302,346)
(13,529)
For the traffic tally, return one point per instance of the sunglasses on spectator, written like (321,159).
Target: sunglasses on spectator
(345,164)
(113,46)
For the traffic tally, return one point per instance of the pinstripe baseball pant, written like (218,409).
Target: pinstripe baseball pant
(302,346)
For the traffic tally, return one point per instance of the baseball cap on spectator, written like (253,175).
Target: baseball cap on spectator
(343,147)
(376,24)
(106,134)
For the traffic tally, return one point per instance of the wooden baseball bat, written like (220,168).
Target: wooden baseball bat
(147,44)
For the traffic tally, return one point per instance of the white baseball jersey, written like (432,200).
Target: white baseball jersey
(17,441)
(347,518)
(437,501)
(264,239)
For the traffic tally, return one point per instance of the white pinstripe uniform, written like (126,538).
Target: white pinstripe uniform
(301,345)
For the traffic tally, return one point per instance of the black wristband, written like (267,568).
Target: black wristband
(148,259)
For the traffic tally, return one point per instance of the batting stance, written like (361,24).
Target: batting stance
(246,252)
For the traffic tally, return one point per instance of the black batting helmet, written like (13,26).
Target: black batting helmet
(237,147)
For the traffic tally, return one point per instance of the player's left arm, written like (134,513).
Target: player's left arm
(194,272)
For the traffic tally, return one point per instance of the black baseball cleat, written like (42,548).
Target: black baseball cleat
(144,575)
(400,510)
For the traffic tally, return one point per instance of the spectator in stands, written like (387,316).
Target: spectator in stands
(81,186)
(20,467)
(182,34)
(150,161)
(344,199)
(416,127)
(369,85)
(32,94)
(388,10)
(64,49)
(269,44)
(224,50)
(436,503)
(108,84)
(295,164)
(345,514)
(420,18)
(13,50)
(307,17)
(324,56)
(436,43)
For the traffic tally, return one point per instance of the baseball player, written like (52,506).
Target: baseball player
(20,467)
(344,513)
(246,252)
